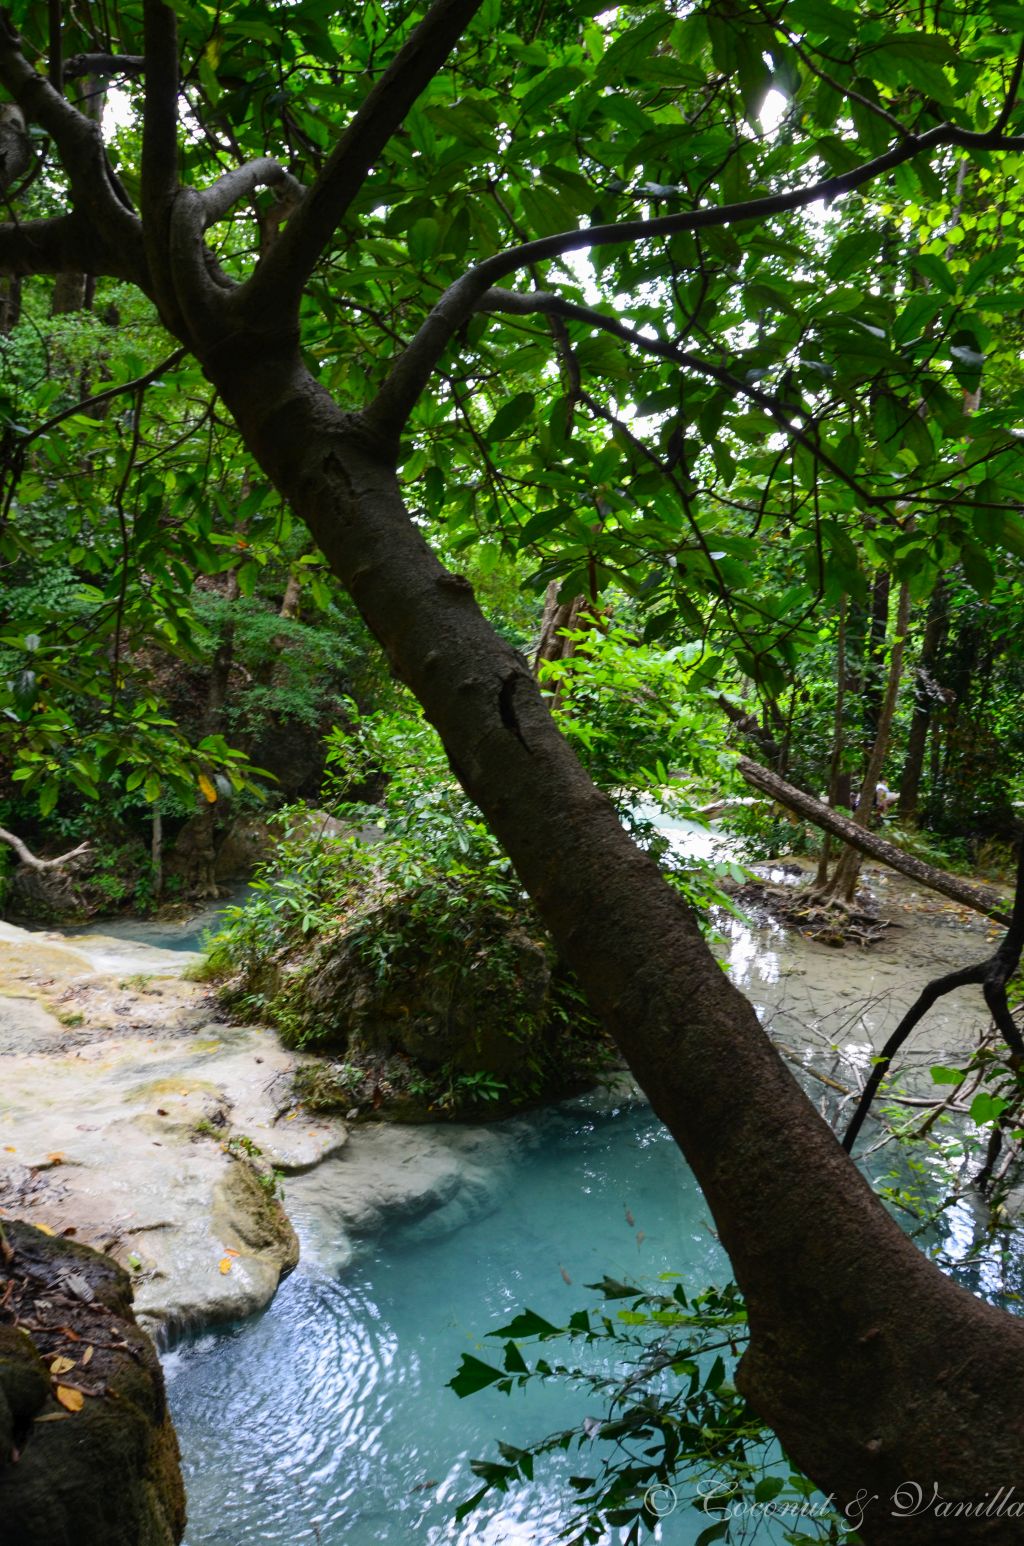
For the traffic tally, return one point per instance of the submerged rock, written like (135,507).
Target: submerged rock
(87,1450)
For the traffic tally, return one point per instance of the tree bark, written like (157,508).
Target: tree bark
(925,691)
(985,902)
(838,740)
(29,859)
(847,871)
(870,1364)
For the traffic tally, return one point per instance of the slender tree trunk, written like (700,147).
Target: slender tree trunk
(868,1362)
(157,854)
(924,702)
(292,600)
(220,665)
(847,871)
(838,742)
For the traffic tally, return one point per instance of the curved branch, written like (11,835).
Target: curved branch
(929,995)
(1011,93)
(264,172)
(28,858)
(993,974)
(79,144)
(387,413)
(280,277)
(138,384)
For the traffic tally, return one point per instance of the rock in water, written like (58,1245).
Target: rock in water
(87,1450)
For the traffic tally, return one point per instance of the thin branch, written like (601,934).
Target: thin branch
(280,277)
(387,413)
(992,974)
(28,858)
(242,181)
(138,384)
(522,302)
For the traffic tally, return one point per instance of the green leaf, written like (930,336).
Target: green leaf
(987,1108)
(527,1324)
(473,1375)
(422,240)
(510,416)
(943,1075)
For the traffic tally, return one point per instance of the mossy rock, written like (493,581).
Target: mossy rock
(108,1473)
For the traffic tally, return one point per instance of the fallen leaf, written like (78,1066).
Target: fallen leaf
(70,1398)
(9,1148)
(61,1365)
(44,1229)
(229,1252)
(56,1159)
(87,1355)
(160,1111)
(225,1264)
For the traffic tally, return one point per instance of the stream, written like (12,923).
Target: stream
(324,1417)
(327,1419)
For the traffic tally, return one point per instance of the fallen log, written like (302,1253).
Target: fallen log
(978,898)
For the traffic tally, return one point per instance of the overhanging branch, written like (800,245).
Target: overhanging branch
(104,66)
(78,140)
(63,245)
(387,413)
(28,858)
(521,303)
(281,275)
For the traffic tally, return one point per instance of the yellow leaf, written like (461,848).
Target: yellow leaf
(207,787)
(62,1365)
(9,1148)
(225,1264)
(87,1355)
(56,1158)
(44,1229)
(70,1398)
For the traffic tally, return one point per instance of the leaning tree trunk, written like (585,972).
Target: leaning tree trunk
(872,1367)
(867,1361)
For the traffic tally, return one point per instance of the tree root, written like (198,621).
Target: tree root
(827,920)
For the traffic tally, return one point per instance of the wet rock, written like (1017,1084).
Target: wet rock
(151,1131)
(87,1450)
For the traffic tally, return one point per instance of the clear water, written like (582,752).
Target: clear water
(326,1419)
